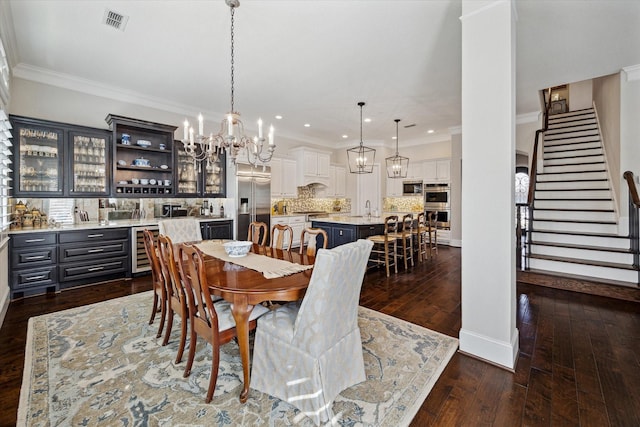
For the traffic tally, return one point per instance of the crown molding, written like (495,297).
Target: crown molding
(632,72)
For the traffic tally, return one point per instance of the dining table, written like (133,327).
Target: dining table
(244,287)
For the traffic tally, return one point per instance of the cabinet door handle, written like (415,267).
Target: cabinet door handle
(90,236)
(33,240)
(42,276)
(30,258)
(93,251)
(96,268)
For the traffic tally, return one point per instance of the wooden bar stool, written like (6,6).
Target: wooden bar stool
(405,239)
(421,237)
(432,230)
(385,245)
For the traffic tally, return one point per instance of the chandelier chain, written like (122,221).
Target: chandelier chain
(232,57)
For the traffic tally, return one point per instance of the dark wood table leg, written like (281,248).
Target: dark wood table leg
(241,312)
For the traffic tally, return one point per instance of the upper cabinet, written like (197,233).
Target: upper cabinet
(60,160)
(313,166)
(199,179)
(142,157)
(283,178)
(394,187)
(337,181)
(436,171)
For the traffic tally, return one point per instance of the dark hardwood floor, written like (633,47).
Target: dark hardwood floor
(579,361)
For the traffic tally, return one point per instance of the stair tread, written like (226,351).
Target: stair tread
(584,262)
(573,189)
(580,233)
(585,247)
(577,221)
(595,280)
(573,209)
(565,172)
(572,157)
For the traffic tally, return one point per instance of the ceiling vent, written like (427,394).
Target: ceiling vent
(114,19)
(410,126)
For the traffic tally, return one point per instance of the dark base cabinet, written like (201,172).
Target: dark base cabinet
(217,229)
(49,261)
(339,234)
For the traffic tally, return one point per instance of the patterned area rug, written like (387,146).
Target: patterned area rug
(101,365)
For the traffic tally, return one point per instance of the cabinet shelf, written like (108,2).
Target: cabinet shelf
(142,168)
(141,148)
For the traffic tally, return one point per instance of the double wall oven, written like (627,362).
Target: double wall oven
(437,198)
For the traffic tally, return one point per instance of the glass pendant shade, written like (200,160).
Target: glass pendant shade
(397,166)
(361,158)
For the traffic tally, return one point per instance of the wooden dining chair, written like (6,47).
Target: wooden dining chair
(157,279)
(385,245)
(210,320)
(314,235)
(258,233)
(278,235)
(176,295)
(421,237)
(405,240)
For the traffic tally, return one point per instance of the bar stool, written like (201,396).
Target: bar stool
(432,230)
(421,237)
(258,233)
(384,245)
(405,238)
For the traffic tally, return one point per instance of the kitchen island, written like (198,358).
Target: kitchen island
(346,229)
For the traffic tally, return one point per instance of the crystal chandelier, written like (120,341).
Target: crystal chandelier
(361,158)
(231,137)
(397,166)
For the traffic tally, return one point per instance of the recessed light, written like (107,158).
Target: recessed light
(367,120)
(307,125)
(394,137)
(345,136)
(430,131)
(279,117)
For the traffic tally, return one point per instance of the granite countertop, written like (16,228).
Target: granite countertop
(111,224)
(352,219)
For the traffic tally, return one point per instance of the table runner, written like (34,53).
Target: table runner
(271,268)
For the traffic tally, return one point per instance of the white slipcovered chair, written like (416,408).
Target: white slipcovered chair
(307,352)
(181,230)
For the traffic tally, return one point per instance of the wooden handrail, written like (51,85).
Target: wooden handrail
(534,158)
(633,191)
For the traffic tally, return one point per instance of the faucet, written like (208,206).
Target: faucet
(367,206)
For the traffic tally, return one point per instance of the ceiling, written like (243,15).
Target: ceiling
(311,61)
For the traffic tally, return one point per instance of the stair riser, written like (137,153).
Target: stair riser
(573,146)
(585,254)
(571,239)
(628,276)
(587,121)
(578,194)
(571,176)
(574,127)
(573,160)
(566,155)
(563,142)
(570,185)
(574,134)
(572,115)
(575,227)
(573,204)
(575,215)
(573,168)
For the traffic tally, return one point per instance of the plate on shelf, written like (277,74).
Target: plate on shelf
(164,167)
(122,182)
(143,143)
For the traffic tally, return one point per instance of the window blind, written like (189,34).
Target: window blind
(5,174)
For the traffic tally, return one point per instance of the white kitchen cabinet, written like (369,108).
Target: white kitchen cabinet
(337,181)
(394,187)
(436,171)
(313,166)
(283,178)
(297,224)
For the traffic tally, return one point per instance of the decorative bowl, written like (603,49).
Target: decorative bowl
(122,162)
(135,181)
(144,181)
(237,248)
(143,143)
(141,161)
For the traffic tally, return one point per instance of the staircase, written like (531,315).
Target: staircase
(574,223)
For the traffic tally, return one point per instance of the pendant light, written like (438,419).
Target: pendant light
(361,158)
(397,166)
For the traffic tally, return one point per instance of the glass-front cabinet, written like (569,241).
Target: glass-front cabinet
(57,160)
(199,178)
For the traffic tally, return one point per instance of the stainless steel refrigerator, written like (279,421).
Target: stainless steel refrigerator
(254,197)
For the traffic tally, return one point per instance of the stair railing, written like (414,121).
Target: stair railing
(634,216)
(533,172)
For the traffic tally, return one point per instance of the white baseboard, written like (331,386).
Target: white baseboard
(4,306)
(499,352)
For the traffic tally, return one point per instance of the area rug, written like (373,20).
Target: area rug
(102,365)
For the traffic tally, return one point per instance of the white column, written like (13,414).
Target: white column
(488,166)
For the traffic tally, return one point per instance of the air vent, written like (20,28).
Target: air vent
(410,126)
(115,20)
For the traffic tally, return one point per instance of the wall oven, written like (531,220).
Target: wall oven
(443,220)
(437,198)
(411,188)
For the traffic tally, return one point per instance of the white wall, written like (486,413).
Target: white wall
(580,95)
(629,127)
